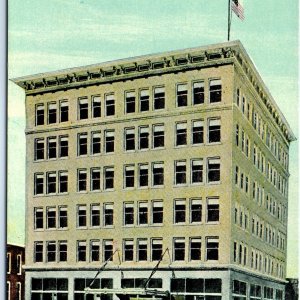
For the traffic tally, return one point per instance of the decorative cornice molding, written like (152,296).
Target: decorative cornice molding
(153,65)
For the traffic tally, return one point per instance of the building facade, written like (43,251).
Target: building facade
(176,162)
(15,275)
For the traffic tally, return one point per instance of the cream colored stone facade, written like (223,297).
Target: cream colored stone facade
(243,214)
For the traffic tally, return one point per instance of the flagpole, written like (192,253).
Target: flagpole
(229,21)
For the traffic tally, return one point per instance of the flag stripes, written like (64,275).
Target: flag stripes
(237,9)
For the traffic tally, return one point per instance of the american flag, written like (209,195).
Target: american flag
(238,9)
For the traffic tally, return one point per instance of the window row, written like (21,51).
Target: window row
(241,180)
(142,101)
(143,249)
(275,208)
(263,130)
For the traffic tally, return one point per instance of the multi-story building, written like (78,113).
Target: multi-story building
(181,155)
(15,277)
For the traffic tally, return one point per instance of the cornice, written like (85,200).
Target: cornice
(155,65)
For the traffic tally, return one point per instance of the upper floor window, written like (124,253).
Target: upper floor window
(143,137)
(212,248)
(128,250)
(38,184)
(109,178)
(81,251)
(158,136)
(82,144)
(179,249)
(63,182)
(130,102)
(180,172)
(159,98)
(51,217)
(144,100)
(51,183)
(179,211)
(51,147)
(96,142)
(182,95)
(142,250)
(8,263)
(64,111)
(158,174)
(143,175)
(214,130)
(108,250)
(128,213)
(129,139)
(110,105)
(62,217)
(62,250)
(95,250)
(156,247)
(197,132)
(82,180)
(129,176)
(95,179)
(95,215)
(215,90)
(63,146)
(108,212)
(109,136)
(143,213)
(197,171)
(196,211)
(83,107)
(81,216)
(38,251)
(213,172)
(157,212)
(39,114)
(198,92)
(181,134)
(96,106)
(52,113)
(51,251)
(38,218)
(195,248)
(39,149)
(238,97)
(212,213)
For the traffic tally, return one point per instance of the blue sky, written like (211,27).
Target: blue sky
(55,34)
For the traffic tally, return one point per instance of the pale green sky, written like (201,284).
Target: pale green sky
(55,34)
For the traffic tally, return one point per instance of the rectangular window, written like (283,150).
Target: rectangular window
(38,184)
(95,215)
(51,251)
(52,113)
(109,105)
(158,174)
(143,137)
(156,249)
(81,180)
(81,216)
(195,248)
(181,134)
(108,214)
(157,212)
(128,250)
(107,250)
(130,102)
(182,94)
(96,142)
(215,90)
(213,210)
(82,144)
(109,136)
(51,183)
(62,217)
(158,136)
(95,250)
(212,248)
(38,218)
(237,135)
(96,106)
(19,264)
(179,211)
(144,100)
(38,251)
(214,130)
(143,175)
(129,176)
(64,111)
(83,107)
(179,249)
(197,132)
(238,97)
(143,213)
(63,146)
(108,178)
(81,250)
(196,171)
(159,98)
(39,114)
(198,92)
(196,210)
(63,250)
(95,179)
(51,141)
(8,263)
(243,141)
(63,181)
(213,172)
(51,217)
(142,251)
(128,213)
(129,139)
(39,149)
(18,291)
(180,172)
